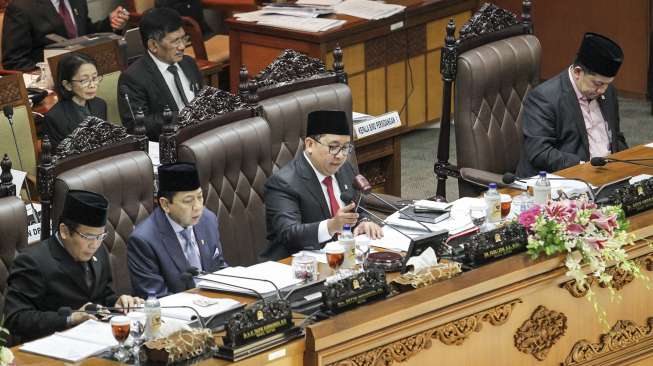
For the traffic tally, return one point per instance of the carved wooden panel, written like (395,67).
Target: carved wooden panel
(538,334)
(375,53)
(395,45)
(623,334)
(9,90)
(416,37)
(488,19)
(452,333)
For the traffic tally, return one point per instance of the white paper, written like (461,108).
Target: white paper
(639,178)
(650,144)
(18,177)
(153,152)
(194,301)
(367,9)
(280,274)
(312,25)
(318,2)
(319,255)
(92,331)
(570,187)
(393,240)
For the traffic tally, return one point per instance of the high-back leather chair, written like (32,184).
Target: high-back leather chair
(493,69)
(110,64)
(119,169)
(233,163)
(13,226)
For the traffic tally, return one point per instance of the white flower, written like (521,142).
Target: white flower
(6,357)
(573,264)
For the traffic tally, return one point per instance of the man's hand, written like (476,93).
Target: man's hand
(370,228)
(119,17)
(342,217)
(80,316)
(127,302)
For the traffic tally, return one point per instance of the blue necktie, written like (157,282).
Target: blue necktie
(191,251)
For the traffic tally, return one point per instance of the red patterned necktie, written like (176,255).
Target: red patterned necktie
(328,182)
(67,20)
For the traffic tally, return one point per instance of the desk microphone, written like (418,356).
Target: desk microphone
(124,90)
(189,275)
(601,161)
(509,178)
(197,272)
(482,178)
(95,309)
(363,185)
(348,196)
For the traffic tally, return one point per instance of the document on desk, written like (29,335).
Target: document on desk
(368,9)
(205,306)
(280,274)
(569,187)
(85,340)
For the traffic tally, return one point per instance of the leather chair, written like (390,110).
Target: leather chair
(493,74)
(110,63)
(123,173)
(234,163)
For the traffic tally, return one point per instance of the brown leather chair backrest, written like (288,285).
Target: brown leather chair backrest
(491,84)
(13,231)
(234,162)
(127,182)
(287,115)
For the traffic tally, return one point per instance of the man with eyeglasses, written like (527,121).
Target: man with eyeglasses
(163,76)
(71,270)
(178,235)
(302,200)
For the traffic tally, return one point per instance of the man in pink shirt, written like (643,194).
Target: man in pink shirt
(574,116)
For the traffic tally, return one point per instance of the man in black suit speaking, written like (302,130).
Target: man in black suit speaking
(302,200)
(163,76)
(28,22)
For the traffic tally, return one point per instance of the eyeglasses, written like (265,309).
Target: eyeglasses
(334,150)
(98,237)
(87,82)
(181,41)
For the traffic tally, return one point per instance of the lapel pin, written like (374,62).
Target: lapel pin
(75,11)
(94,259)
(202,241)
(346,187)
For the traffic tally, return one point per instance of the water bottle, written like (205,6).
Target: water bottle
(542,190)
(346,239)
(153,316)
(493,205)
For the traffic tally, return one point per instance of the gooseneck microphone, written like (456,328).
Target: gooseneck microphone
(601,161)
(509,178)
(189,275)
(124,90)
(348,196)
(95,309)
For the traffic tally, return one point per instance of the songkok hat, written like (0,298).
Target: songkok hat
(327,122)
(85,208)
(600,54)
(178,177)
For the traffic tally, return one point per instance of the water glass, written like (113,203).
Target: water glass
(120,328)
(362,249)
(477,213)
(138,320)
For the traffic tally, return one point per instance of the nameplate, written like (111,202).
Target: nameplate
(633,198)
(258,320)
(482,248)
(355,290)
(376,125)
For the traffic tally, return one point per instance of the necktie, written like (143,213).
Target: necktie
(328,182)
(173,70)
(67,19)
(191,251)
(88,274)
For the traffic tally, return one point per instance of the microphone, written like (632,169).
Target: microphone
(348,196)
(601,161)
(189,275)
(8,111)
(481,177)
(95,309)
(509,178)
(124,90)
(363,185)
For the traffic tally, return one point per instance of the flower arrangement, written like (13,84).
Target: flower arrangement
(589,235)
(6,356)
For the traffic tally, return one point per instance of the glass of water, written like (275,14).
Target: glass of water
(136,330)
(362,250)
(477,213)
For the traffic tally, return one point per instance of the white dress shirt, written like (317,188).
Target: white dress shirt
(322,230)
(170,81)
(56,3)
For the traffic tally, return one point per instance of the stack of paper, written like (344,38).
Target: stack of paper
(85,340)
(368,9)
(278,273)
(205,306)
(312,25)
(322,3)
(296,10)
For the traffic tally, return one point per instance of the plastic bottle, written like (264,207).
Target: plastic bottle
(493,204)
(346,239)
(153,316)
(542,189)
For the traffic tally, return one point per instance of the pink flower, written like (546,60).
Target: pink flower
(606,223)
(575,229)
(528,217)
(595,243)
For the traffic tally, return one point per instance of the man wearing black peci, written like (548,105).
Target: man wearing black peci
(68,271)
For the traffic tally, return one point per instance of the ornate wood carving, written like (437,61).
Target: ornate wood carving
(488,19)
(208,104)
(620,278)
(338,65)
(622,335)
(7,188)
(455,332)
(9,91)
(167,141)
(416,37)
(92,133)
(45,184)
(288,67)
(243,83)
(395,47)
(539,333)
(375,53)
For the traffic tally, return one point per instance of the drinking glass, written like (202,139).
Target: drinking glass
(362,250)
(477,213)
(335,254)
(120,328)
(136,330)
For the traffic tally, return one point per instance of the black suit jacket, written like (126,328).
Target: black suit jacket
(64,117)
(295,205)
(148,90)
(554,129)
(26,24)
(44,278)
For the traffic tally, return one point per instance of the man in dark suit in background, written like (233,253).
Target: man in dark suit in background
(302,200)
(574,116)
(164,76)
(178,235)
(28,22)
(69,270)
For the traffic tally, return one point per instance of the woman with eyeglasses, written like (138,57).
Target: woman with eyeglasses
(77,84)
